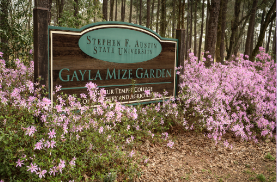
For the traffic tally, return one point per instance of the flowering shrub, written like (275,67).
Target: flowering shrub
(239,97)
(43,143)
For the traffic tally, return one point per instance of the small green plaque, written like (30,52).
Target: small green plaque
(120,45)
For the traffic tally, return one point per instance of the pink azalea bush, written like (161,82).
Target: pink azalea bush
(62,143)
(238,97)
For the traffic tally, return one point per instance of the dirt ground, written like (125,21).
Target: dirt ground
(195,157)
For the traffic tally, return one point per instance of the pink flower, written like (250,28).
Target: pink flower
(165,134)
(59,108)
(72,162)
(52,134)
(53,170)
(38,145)
(83,95)
(30,130)
(41,173)
(19,163)
(47,144)
(226,143)
(58,88)
(102,92)
(91,86)
(170,144)
(31,51)
(146,160)
(101,129)
(32,168)
(46,102)
(147,92)
(1,54)
(77,136)
(52,144)
(132,153)
(61,165)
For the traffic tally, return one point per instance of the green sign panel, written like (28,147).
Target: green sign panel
(120,45)
(111,55)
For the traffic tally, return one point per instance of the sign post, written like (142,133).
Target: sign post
(112,55)
(40,42)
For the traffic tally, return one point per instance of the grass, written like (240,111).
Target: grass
(270,157)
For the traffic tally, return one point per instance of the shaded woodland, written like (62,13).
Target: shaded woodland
(224,28)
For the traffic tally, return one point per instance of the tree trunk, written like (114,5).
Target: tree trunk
(195,20)
(207,20)
(270,16)
(223,25)
(136,16)
(212,30)
(123,10)
(201,34)
(76,10)
(234,28)
(131,7)
(219,31)
(263,14)
(269,37)
(158,16)
(5,25)
(60,6)
(115,15)
(274,43)
(111,9)
(226,41)
(179,14)
(183,15)
(187,41)
(190,34)
(183,20)
(173,18)
(152,14)
(239,35)
(49,13)
(96,4)
(147,13)
(140,13)
(163,19)
(58,14)
(105,10)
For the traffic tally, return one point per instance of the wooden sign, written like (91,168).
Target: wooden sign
(111,55)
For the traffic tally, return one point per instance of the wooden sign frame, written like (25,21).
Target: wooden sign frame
(65,69)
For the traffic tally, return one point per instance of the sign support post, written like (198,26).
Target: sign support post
(41,42)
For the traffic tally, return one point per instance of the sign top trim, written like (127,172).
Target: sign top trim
(110,24)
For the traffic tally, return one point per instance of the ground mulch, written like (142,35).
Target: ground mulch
(195,157)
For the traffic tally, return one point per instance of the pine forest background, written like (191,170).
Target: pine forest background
(222,27)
